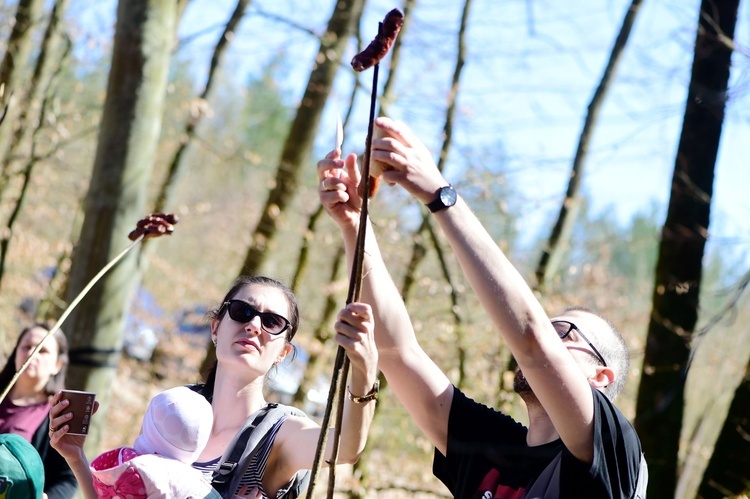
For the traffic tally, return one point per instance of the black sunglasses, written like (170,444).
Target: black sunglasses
(243,313)
(564,329)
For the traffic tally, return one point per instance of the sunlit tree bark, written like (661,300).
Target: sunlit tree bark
(661,394)
(15,62)
(54,45)
(128,135)
(52,57)
(299,142)
(31,161)
(558,238)
(176,165)
(728,470)
(322,334)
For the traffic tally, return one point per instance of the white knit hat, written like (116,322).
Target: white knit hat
(177,425)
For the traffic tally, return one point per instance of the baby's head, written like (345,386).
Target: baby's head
(177,425)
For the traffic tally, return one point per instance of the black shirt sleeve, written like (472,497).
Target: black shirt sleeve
(617,454)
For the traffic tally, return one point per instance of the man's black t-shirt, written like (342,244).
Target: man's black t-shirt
(488,457)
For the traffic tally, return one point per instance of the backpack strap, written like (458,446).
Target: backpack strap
(223,474)
(642,483)
(246,444)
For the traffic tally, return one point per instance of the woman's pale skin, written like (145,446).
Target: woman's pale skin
(245,353)
(29,388)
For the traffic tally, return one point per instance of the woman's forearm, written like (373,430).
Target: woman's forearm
(85,478)
(357,418)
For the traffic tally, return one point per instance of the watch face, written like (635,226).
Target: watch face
(448,196)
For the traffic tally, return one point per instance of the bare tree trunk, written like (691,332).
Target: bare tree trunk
(695,465)
(304,251)
(560,234)
(53,303)
(28,168)
(418,254)
(39,85)
(176,166)
(48,61)
(728,468)
(661,394)
(12,67)
(322,332)
(418,250)
(304,127)
(128,136)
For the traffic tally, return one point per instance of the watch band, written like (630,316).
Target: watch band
(371,395)
(445,197)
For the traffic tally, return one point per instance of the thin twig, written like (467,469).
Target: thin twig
(67,312)
(341,364)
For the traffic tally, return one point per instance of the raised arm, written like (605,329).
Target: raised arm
(418,383)
(70,447)
(558,382)
(298,437)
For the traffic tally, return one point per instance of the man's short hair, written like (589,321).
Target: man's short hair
(614,349)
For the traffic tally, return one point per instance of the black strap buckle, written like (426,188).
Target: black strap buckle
(222,473)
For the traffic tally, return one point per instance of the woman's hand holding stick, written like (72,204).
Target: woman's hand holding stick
(371,56)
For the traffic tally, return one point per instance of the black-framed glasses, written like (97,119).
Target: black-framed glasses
(564,328)
(242,312)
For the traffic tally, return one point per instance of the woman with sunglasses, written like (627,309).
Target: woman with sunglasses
(252,329)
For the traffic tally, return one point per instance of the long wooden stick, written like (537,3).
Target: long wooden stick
(341,364)
(67,312)
(370,57)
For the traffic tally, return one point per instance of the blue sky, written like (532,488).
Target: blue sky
(532,66)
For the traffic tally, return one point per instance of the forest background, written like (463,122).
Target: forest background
(502,89)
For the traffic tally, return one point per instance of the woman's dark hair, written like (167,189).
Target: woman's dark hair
(57,381)
(219,312)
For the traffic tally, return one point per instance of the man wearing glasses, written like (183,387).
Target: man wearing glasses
(577,444)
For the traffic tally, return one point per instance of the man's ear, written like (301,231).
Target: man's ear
(604,377)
